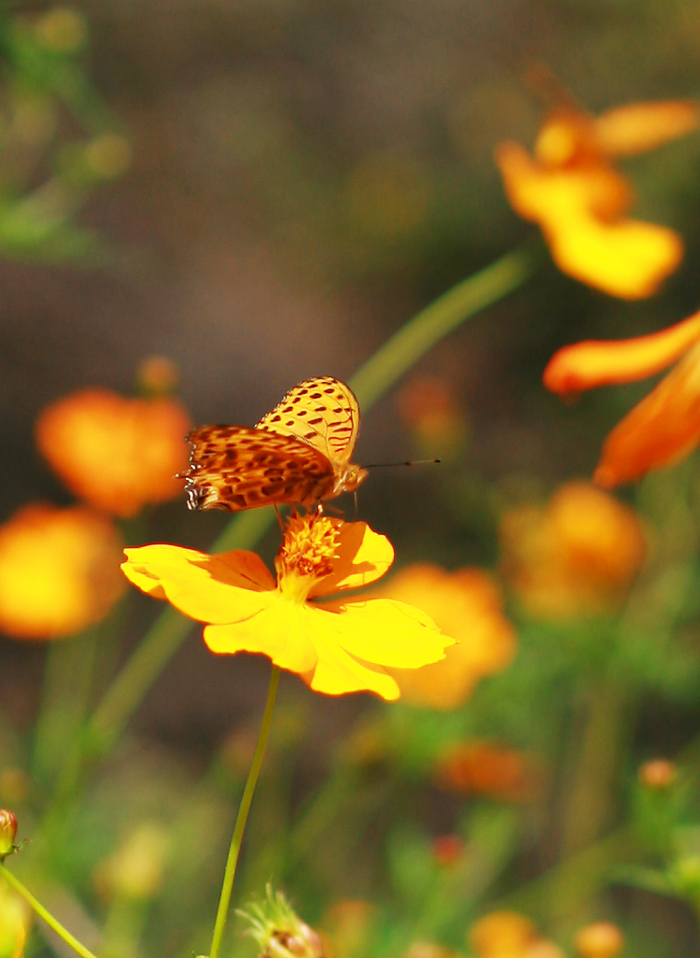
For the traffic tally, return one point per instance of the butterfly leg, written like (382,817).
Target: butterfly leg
(279,517)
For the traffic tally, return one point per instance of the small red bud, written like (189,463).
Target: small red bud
(8,832)
(448,850)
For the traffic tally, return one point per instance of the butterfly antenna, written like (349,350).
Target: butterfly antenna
(407,462)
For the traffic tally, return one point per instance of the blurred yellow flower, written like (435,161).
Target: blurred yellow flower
(502,933)
(63,30)
(466,605)
(661,429)
(118,454)
(135,870)
(59,571)
(575,556)
(489,769)
(108,156)
(14,922)
(506,934)
(580,201)
(337,647)
(599,940)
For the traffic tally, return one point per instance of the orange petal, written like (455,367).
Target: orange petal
(219,588)
(628,258)
(662,429)
(363,556)
(639,127)
(595,363)
(556,197)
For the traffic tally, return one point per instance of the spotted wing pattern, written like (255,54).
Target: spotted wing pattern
(238,467)
(321,412)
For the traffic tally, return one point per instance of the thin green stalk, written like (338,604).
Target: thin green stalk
(67,685)
(370,383)
(441,317)
(52,922)
(242,816)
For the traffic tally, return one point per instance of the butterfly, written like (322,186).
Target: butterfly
(298,453)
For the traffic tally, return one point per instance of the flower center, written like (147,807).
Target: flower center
(307,555)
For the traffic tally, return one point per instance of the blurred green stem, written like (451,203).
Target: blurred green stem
(67,686)
(242,816)
(46,915)
(593,780)
(370,383)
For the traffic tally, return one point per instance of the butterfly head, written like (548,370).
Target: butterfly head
(349,479)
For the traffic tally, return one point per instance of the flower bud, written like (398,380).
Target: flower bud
(8,832)
(448,850)
(599,940)
(279,931)
(658,774)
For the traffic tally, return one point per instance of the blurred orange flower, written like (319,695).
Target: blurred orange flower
(575,556)
(488,768)
(466,605)
(346,927)
(337,647)
(59,571)
(429,408)
(506,934)
(118,454)
(665,426)
(580,201)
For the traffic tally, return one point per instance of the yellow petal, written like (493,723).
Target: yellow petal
(338,673)
(639,127)
(284,631)
(594,363)
(662,429)
(385,632)
(363,556)
(628,259)
(217,588)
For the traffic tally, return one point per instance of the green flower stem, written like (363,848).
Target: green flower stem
(46,915)
(370,383)
(242,816)
(67,684)
(441,317)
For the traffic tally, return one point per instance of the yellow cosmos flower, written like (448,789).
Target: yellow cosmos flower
(580,201)
(664,427)
(117,454)
(59,571)
(335,646)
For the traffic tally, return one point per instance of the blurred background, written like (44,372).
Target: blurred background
(288,182)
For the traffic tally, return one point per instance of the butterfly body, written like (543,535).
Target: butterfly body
(297,454)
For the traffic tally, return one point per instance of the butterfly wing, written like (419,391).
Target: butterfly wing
(237,468)
(321,412)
